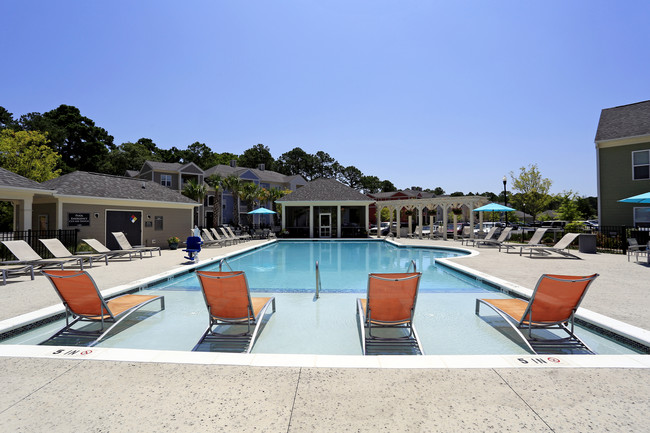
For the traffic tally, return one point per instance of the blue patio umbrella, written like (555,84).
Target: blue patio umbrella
(641,198)
(494,207)
(261,211)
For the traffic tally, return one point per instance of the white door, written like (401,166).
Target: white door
(325,225)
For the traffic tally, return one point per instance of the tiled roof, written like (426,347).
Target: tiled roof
(631,120)
(325,190)
(11,179)
(167,166)
(263,175)
(106,186)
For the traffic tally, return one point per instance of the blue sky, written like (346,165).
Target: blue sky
(428,93)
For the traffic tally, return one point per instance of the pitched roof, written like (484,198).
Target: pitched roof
(11,179)
(631,120)
(325,190)
(262,175)
(86,184)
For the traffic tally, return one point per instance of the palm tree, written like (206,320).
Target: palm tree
(234,184)
(250,193)
(215,181)
(195,191)
(276,194)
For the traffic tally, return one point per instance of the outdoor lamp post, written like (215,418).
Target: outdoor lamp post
(505,197)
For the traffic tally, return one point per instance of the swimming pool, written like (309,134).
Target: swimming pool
(444,317)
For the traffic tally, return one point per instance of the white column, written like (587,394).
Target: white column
(378,220)
(471,220)
(284,220)
(311,221)
(59,215)
(27,213)
(410,225)
(420,209)
(390,219)
(444,222)
(338,220)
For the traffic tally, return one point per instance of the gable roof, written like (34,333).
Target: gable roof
(263,175)
(13,180)
(325,190)
(82,183)
(631,120)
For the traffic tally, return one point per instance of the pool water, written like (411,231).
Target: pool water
(303,324)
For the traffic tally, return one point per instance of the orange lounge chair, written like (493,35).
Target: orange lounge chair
(84,302)
(229,303)
(552,306)
(388,309)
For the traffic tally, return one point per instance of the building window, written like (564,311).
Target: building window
(641,165)
(166,180)
(642,216)
(158,223)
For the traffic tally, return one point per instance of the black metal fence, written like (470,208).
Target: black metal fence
(609,239)
(67,238)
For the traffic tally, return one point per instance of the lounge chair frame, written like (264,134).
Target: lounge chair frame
(495,242)
(489,236)
(124,244)
(217,236)
(534,241)
(208,240)
(561,247)
(27,256)
(245,339)
(58,250)
(8,270)
(104,316)
(111,254)
(526,324)
(367,322)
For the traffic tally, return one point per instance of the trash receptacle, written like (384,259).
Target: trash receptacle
(587,243)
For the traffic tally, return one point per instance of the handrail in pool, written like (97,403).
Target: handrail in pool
(221,262)
(318,283)
(415,267)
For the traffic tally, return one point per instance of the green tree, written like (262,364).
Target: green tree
(324,165)
(200,154)
(387,186)
(250,193)
(195,191)
(351,176)
(81,144)
(370,184)
(7,119)
(131,156)
(26,153)
(568,210)
(439,191)
(296,161)
(233,184)
(257,155)
(533,190)
(277,194)
(215,181)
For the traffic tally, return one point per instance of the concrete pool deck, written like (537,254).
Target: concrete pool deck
(91,395)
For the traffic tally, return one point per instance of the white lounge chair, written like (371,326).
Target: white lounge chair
(534,241)
(124,244)
(27,256)
(208,240)
(58,250)
(111,254)
(495,242)
(225,240)
(489,236)
(561,247)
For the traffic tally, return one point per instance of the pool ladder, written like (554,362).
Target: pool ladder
(415,268)
(318,283)
(221,263)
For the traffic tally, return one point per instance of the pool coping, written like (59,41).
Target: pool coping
(633,333)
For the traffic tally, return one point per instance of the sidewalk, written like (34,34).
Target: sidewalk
(62,395)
